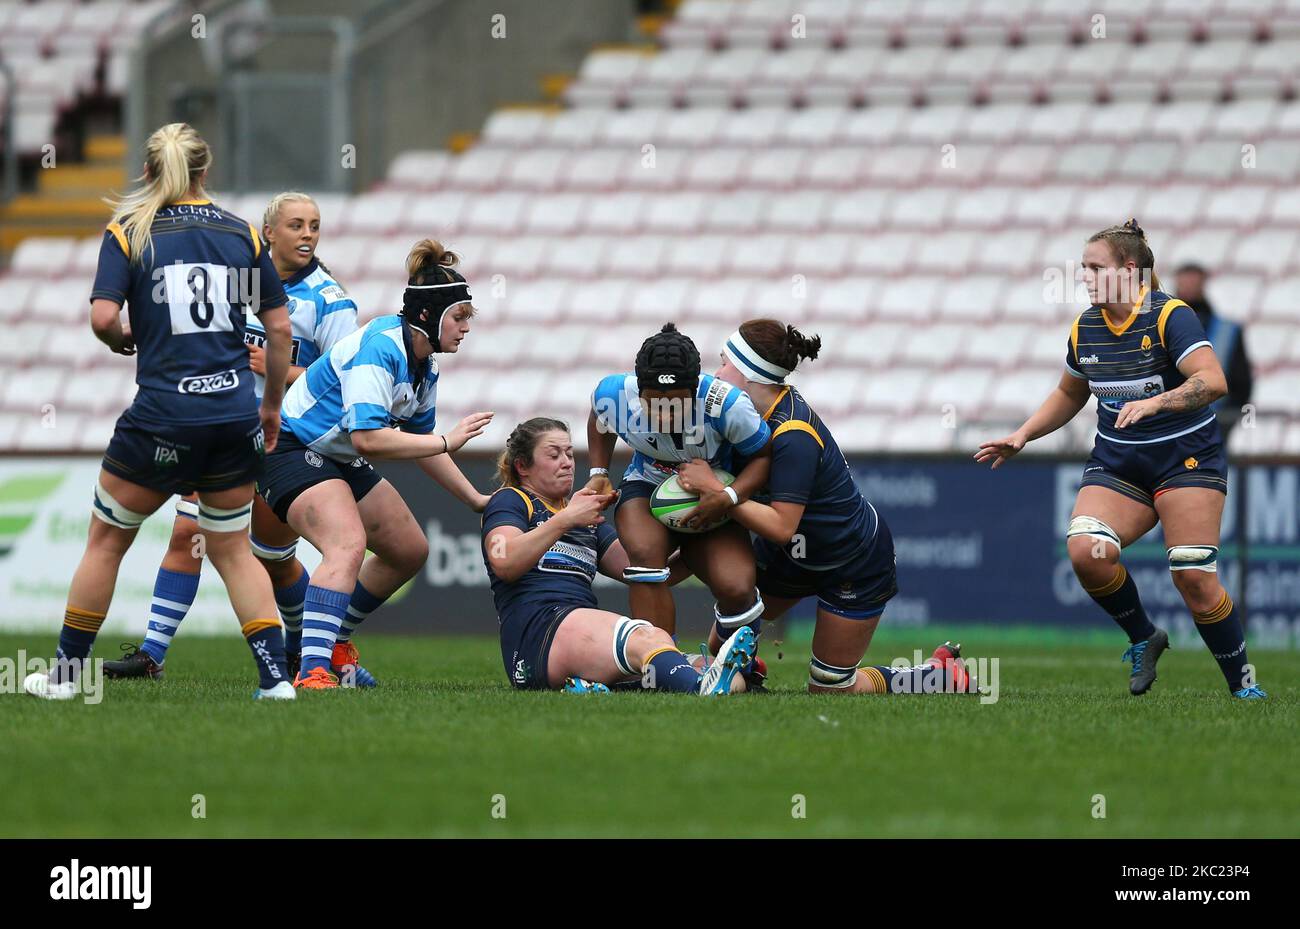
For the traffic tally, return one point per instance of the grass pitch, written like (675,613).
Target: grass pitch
(444,744)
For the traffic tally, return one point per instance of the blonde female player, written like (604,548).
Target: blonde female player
(815,535)
(320,313)
(340,413)
(542,550)
(1158,456)
(186,270)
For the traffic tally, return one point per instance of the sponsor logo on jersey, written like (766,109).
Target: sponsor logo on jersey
(258,340)
(1089,360)
(1123,391)
(209,383)
(333,293)
(569,558)
(716,398)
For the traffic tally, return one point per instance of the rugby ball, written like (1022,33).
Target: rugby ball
(671,505)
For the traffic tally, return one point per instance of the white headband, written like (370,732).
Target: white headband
(751,364)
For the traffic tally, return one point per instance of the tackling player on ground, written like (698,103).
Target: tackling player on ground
(186,269)
(320,314)
(815,534)
(542,551)
(1158,455)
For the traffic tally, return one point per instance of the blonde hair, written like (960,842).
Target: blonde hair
(1129,243)
(272,214)
(175,158)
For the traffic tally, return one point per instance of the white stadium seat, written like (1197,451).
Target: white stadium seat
(915,180)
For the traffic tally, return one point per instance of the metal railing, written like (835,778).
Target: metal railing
(9,186)
(252,101)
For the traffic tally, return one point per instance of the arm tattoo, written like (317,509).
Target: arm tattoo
(1192,395)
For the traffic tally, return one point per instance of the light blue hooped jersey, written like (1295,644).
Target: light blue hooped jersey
(320,312)
(366,381)
(722,420)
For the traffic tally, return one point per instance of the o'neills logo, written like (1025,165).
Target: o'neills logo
(103,882)
(209,383)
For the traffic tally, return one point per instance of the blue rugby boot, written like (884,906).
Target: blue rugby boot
(576,685)
(345,662)
(737,652)
(1250,693)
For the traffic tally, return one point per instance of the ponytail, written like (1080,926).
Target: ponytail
(175,158)
(780,344)
(1129,243)
(427,260)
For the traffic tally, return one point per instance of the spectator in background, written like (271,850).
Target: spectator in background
(1228,339)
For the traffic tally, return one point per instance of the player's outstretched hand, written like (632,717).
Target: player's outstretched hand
(468,428)
(999,451)
(585,508)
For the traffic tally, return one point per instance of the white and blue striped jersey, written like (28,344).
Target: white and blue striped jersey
(722,420)
(366,381)
(320,312)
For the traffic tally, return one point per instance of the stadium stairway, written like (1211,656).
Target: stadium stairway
(69,201)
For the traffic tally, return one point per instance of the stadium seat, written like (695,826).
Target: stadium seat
(935,161)
(43,256)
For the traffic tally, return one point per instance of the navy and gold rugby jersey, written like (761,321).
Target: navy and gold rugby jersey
(1136,361)
(186,300)
(565,571)
(838,524)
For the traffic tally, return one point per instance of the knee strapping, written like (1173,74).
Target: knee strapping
(213,519)
(821,674)
(623,630)
(272,552)
(187,508)
(1094,528)
(732,623)
(1194,558)
(113,513)
(635,575)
